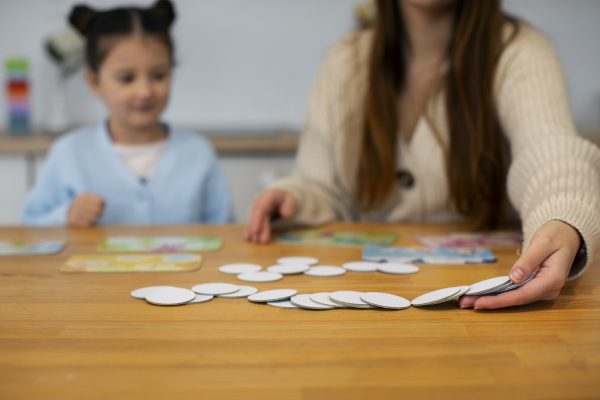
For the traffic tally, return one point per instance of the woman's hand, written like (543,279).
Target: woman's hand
(550,254)
(85,210)
(270,204)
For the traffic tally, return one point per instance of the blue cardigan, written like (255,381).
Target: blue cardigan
(187,186)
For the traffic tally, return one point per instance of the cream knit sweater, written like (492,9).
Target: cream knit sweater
(554,174)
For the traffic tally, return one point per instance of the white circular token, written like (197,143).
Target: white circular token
(239,268)
(436,297)
(360,266)
(323,298)
(304,301)
(272,295)
(282,304)
(488,284)
(201,298)
(288,269)
(215,288)
(170,296)
(385,300)
(349,298)
(141,293)
(462,290)
(297,261)
(397,268)
(441,260)
(244,291)
(325,270)
(260,276)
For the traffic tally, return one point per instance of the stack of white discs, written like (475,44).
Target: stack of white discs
(487,287)
(176,296)
(341,299)
(310,266)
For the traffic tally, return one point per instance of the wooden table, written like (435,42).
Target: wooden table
(81,336)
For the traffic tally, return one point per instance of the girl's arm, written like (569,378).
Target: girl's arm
(47,204)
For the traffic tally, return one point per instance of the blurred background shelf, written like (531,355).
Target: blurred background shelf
(226,142)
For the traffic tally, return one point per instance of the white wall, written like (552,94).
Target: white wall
(573,26)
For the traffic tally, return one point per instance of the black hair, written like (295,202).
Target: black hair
(96,26)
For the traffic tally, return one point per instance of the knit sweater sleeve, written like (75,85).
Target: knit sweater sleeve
(554,174)
(315,180)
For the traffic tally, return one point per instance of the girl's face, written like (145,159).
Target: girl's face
(134,81)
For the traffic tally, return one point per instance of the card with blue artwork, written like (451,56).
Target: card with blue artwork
(498,239)
(27,248)
(438,255)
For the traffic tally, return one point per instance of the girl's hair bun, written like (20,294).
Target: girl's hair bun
(82,18)
(164,10)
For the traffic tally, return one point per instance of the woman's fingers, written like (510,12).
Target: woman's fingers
(546,285)
(265,206)
(288,205)
(255,225)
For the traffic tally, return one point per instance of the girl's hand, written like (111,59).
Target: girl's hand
(85,210)
(551,253)
(270,204)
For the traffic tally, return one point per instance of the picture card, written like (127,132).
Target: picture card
(337,238)
(178,262)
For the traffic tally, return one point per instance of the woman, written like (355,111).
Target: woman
(444,111)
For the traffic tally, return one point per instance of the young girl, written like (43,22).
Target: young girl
(443,111)
(131,169)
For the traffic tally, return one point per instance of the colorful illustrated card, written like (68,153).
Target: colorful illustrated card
(438,255)
(337,238)
(475,239)
(159,244)
(133,263)
(23,248)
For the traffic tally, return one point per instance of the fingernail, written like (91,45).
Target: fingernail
(463,306)
(517,274)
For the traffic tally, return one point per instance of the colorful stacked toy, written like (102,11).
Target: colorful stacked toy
(18,95)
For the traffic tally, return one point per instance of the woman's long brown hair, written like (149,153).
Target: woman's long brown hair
(477,151)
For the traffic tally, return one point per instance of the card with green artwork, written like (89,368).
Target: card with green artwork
(337,238)
(159,244)
(133,263)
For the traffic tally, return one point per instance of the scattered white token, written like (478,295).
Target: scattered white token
(304,301)
(325,270)
(201,298)
(141,293)
(272,295)
(360,266)
(297,261)
(462,290)
(239,268)
(349,298)
(244,291)
(385,300)
(260,276)
(288,269)
(282,304)
(397,268)
(436,297)
(215,288)
(170,296)
(487,285)
(323,298)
